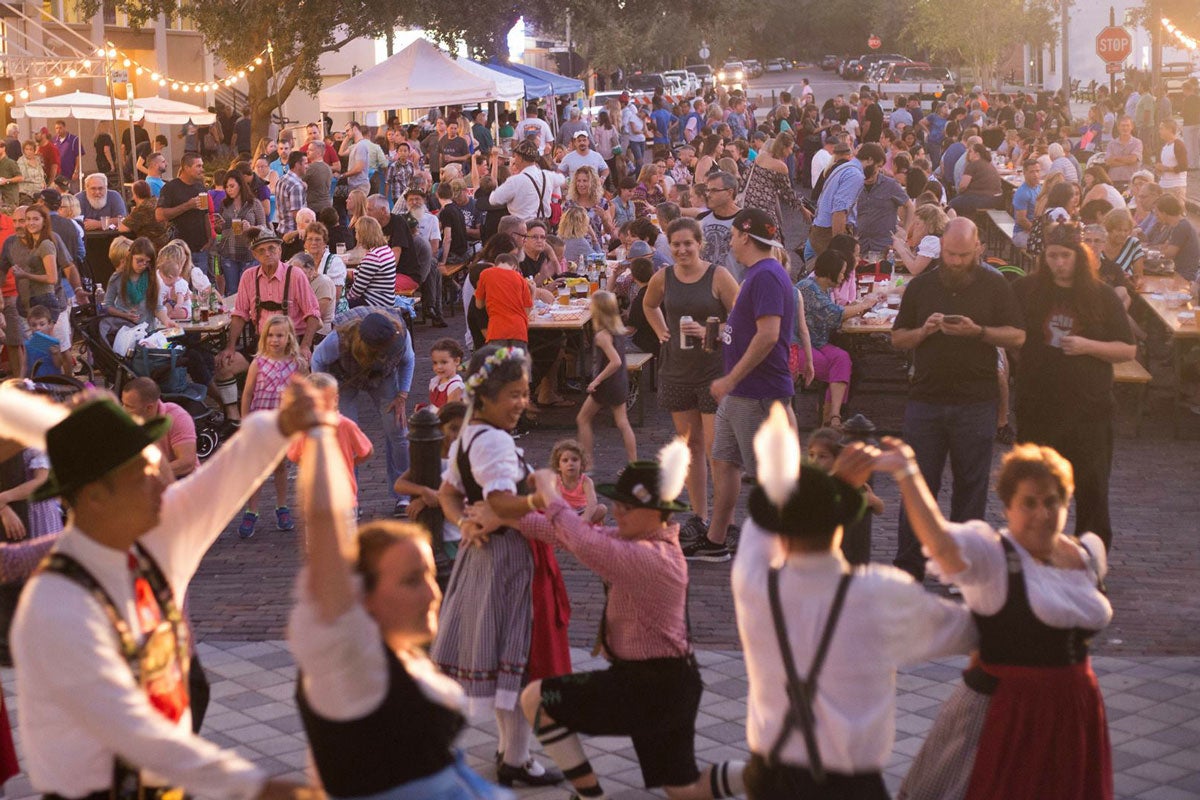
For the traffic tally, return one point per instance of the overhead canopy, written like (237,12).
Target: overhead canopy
(509,87)
(419,76)
(559,84)
(164,111)
(77,105)
(534,87)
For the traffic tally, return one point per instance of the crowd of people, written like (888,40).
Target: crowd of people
(687,198)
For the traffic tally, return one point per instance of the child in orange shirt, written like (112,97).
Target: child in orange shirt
(354,444)
(507,298)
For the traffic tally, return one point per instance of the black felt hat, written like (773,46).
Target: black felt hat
(91,442)
(639,485)
(815,508)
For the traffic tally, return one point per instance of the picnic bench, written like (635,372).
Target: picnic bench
(1133,373)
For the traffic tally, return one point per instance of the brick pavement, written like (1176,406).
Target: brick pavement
(1152,708)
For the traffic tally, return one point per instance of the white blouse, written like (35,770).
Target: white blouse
(1061,598)
(495,460)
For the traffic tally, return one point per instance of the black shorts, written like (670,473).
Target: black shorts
(675,397)
(654,702)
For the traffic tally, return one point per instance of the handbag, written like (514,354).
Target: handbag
(741,196)
(163,365)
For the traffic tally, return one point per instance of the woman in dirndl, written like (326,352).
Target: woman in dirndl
(504,618)
(1028,720)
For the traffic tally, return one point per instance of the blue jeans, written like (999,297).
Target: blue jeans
(203,262)
(964,433)
(232,269)
(395,437)
(638,151)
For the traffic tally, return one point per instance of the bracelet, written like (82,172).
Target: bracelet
(529,502)
(909,470)
(982,331)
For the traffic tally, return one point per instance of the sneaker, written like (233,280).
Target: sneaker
(704,549)
(692,529)
(732,534)
(400,510)
(246,527)
(283,519)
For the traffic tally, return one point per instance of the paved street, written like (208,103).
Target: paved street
(1148,659)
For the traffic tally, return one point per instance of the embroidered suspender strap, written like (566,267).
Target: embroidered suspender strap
(166,599)
(802,693)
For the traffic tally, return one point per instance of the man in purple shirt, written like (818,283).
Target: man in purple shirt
(69,151)
(755,339)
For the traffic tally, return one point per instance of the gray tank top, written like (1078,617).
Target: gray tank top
(689,367)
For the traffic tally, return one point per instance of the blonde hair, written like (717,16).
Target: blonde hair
(727,164)
(70,206)
(595,186)
(356,204)
(1118,219)
(574,223)
(606,315)
(177,254)
(1043,199)
(368,234)
(119,250)
(292,348)
(934,218)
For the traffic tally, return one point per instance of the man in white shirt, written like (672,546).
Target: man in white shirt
(823,157)
(869,621)
(357,174)
(582,156)
(535,126)
(529,189)
(107,604)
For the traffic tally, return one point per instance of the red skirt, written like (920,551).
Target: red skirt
(549,648)
(8,754)
(1045,736)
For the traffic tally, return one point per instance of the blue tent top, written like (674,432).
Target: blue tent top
(539,82)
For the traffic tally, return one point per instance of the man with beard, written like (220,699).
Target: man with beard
(98,201)
(954,315)
(837,207)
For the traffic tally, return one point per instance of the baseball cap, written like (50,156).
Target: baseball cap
(52,198)
(577,134)
(758,225)
(624,97)
(44,131)
(377,330)
(638,249)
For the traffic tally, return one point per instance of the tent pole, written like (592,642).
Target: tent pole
(112,103)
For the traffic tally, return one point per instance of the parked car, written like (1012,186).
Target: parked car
(853,69)
(829,63)
(687,81)
(704,72)
(753,67)
(645,82)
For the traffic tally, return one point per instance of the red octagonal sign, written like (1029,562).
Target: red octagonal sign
(1114,45)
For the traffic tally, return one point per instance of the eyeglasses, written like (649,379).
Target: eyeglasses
(711,189)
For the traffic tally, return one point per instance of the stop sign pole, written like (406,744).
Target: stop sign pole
(1113,45)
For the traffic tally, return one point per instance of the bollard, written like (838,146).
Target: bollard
(856,538)
(425,467)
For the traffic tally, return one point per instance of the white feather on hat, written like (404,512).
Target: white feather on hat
(777,450)
(673,462)
(25,417)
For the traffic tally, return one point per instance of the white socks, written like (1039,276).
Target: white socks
(515,734)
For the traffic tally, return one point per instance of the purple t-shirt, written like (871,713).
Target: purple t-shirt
(765,292)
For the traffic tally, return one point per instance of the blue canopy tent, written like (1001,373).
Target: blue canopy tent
(535,87)
(559,84)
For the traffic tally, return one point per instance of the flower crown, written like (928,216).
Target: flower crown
(477,378)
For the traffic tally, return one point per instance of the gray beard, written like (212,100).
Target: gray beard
(97,204)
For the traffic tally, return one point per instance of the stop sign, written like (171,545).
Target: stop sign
(874,42)
(1114,45)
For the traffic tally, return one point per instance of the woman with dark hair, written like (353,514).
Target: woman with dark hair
(846,292)
(1056,204)
(240,211)
(606,137)
(380,718)
(706,161)
(36,259)
(1098,186)
(769,183)
(132,294)
(503,622)
(1077,331)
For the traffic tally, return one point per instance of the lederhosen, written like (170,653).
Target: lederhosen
(168,645)
(250,331)
(767,778)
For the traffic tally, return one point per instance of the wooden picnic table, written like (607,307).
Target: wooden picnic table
(1184,335)
(217,323)
(554,322)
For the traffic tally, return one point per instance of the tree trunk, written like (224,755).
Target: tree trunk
(261,105)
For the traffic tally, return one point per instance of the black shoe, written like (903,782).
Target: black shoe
(507,775)
(1005,434)
(400,510)
(438,322)
(705,549)
(693,529)
(732,534)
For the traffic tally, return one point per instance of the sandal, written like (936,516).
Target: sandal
(249,521)
(837,426)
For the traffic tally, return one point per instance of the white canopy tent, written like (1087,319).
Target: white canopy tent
(419,76)
(76,105)
(163,111)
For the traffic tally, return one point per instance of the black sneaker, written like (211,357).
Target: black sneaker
(704,549)
(732,534)
(400,510)
(692,529)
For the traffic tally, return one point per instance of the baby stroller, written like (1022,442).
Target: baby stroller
(116,370)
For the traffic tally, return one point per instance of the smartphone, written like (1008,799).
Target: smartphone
(953,319)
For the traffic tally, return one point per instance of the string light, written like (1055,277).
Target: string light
(1187,42)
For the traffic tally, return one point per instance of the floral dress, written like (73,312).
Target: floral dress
(766,189)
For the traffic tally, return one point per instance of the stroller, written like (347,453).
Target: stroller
(116,370)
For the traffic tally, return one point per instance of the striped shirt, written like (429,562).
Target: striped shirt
(375,278)
(647,579)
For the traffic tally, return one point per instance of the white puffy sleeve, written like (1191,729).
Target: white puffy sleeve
(984,579)
(495,460)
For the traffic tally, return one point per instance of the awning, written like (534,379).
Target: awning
(164,111)
(535,87)
(559,84)
(509,88)
(77,105)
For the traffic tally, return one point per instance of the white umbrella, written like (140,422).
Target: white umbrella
(79,105)
(163,111)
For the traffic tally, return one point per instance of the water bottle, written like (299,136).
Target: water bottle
(685,341)
(98,298)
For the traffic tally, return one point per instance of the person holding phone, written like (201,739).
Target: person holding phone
(953,316)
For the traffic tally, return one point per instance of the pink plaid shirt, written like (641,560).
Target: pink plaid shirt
(647,578)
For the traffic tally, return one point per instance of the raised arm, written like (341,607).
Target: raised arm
(927,520)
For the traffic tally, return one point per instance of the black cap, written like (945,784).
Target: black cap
(759,226)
